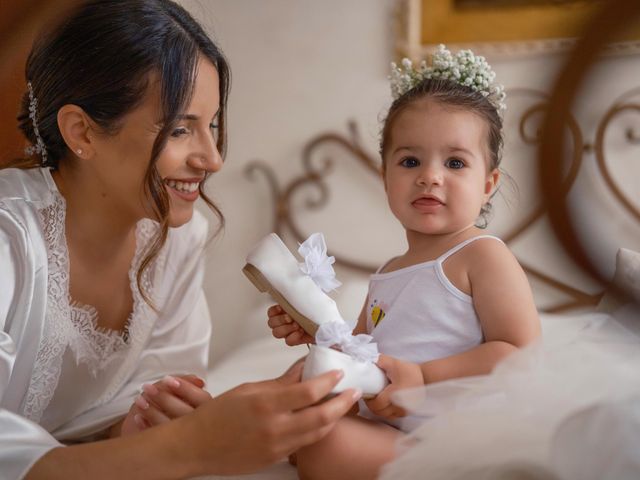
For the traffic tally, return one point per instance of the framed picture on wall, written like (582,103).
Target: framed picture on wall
(500,27)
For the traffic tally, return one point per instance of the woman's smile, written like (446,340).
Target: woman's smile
(186,189)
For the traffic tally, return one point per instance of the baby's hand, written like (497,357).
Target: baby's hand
(401,375)
(283,326)
(164,400)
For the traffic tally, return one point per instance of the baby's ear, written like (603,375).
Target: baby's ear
(383,176)
(491,182)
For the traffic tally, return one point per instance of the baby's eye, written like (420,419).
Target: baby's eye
(179,131)
(410,162)
(454,163)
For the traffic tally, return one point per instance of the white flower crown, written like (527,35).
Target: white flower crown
(464,68)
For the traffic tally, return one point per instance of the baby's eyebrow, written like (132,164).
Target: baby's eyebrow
(462,150)
(410,148)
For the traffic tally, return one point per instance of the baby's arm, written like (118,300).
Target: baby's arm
(169,398)
(504,303)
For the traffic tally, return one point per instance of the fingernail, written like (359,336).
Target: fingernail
(171,381)
(339,374)
(357,394)
(139,421)
(150,389)
(141,402)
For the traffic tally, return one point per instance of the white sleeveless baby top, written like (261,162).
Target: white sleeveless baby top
(416,314)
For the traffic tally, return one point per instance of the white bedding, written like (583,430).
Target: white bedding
(492,436)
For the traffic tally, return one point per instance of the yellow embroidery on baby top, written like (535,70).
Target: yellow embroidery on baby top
(377,314)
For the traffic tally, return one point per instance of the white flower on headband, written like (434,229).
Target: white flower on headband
(464,68)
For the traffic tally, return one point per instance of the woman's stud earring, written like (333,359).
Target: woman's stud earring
(79,151)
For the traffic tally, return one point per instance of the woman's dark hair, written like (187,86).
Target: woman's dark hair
(448,92)
(100,58)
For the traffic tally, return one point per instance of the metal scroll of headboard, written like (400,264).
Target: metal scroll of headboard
(555,184)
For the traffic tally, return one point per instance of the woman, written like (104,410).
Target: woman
(100,264)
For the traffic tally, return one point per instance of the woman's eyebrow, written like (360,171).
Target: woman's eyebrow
(192,116)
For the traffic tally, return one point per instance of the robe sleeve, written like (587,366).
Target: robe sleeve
(179,341)
(22,442)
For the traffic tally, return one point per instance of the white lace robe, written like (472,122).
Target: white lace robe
(61,378)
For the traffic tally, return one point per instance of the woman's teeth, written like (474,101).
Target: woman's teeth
(188,187)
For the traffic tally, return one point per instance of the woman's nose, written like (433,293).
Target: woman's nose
(207,157)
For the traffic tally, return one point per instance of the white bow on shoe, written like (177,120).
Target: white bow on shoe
(300,289)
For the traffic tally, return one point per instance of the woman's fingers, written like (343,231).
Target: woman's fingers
(188,391)
(305,426)
(193,379)
(296,396)
(268,419)
(324,414)
(150,417)
(166,402)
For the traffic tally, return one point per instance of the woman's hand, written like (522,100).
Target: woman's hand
(283,326)
(169,398)
(401,375)
(257,424)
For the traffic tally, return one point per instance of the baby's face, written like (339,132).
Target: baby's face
(436,174)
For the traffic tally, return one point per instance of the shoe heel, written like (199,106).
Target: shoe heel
(254,275)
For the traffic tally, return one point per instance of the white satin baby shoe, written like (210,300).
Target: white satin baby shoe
(272,268)
(299,288)
(363,375)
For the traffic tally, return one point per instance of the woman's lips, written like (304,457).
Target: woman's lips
(184,189)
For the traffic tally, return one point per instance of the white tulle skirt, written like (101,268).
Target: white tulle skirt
(567,407)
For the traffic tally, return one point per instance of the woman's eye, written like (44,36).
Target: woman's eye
(455,163)
(213,126)
(410,162)
(179,131)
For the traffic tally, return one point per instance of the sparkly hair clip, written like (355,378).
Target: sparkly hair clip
(39,147)
(464,68)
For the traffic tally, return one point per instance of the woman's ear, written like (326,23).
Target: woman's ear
(490,184)
(75,127)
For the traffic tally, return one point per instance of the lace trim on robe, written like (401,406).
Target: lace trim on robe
(69,324)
